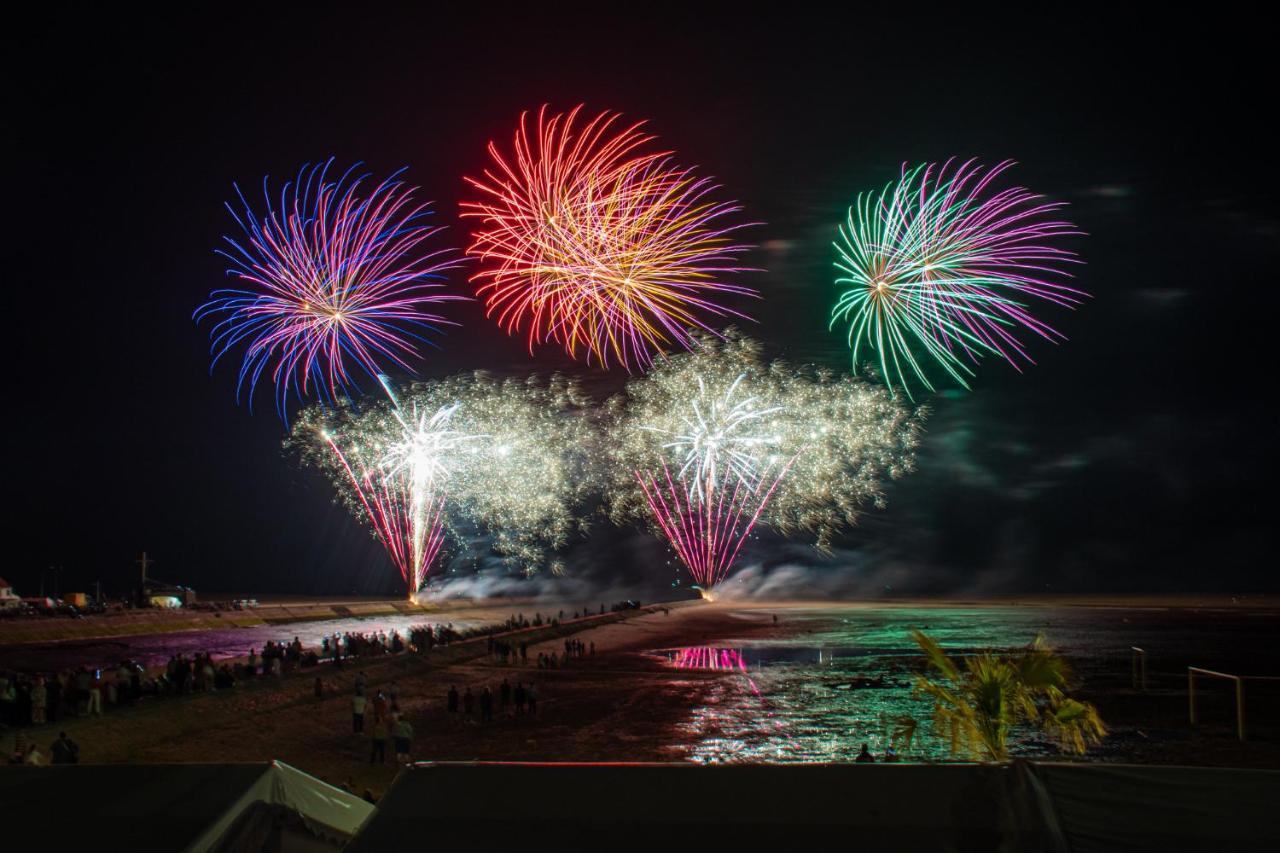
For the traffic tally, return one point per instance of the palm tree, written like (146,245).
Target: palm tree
(979,704)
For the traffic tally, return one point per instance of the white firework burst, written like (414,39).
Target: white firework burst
(721,433)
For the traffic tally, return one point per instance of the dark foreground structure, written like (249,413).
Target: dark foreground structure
(273,808)
(199,808)
(1054,808)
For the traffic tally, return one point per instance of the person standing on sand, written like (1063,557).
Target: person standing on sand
(486,705)
(95,694)
(39,701)
(532,696)
(378,741)
(504,696)
(452,700)
(82,692)
(402,733)
(55,697)
(357,714)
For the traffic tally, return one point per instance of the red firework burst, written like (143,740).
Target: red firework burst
(586,241)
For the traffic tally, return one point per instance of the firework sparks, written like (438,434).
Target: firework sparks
(614,254)
(713,442)
(707,529)
(465,453)
(938,268)
(405,512)
(719,430)
(333,281)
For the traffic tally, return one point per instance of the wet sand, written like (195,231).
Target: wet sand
(621,704)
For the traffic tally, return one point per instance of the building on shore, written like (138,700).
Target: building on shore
(9,600)
(156,593)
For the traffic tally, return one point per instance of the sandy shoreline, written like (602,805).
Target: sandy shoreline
(585,708)
(621,704)
(287,610)
(283,611)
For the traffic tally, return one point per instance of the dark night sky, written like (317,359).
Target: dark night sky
(1132,458)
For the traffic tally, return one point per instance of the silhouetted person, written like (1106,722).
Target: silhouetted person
(357,714)
(453,700)
(378,741)
(865,756)
(65,750)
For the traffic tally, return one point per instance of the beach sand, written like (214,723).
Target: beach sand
(620,705)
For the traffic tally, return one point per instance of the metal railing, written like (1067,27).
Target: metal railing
(1194,671)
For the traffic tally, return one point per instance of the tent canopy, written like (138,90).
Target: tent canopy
(189,807)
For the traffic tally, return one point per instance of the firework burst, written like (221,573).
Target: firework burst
(585,241)
(708,527)
(938,270)
(334,280)
(713,442)
(453,456)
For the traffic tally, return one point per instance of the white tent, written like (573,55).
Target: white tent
(197,808)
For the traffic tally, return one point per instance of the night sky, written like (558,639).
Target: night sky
(1134,458)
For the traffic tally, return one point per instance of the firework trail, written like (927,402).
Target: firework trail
(713,442)
(615,254)
(938,269)
(466,453)
(334,280)
(408,519)
(707,528)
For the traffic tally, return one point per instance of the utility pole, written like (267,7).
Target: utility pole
(144,562)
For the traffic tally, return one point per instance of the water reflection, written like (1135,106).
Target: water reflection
(707,657)
(841,678)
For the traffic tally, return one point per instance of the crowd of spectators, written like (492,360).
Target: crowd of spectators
(35,699)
